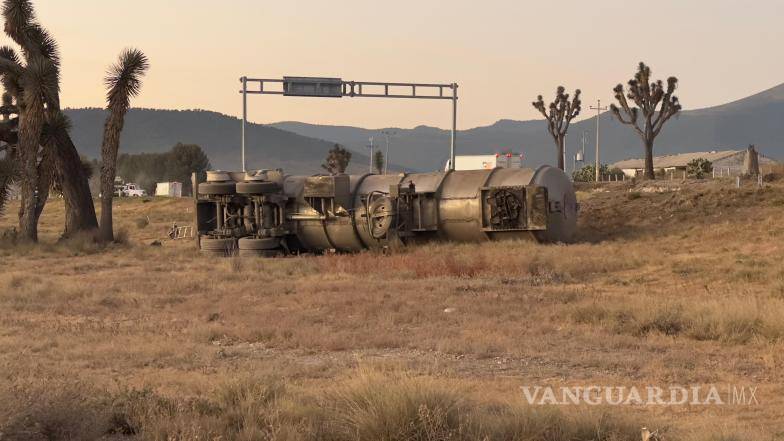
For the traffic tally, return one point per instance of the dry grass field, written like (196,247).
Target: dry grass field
(677,287)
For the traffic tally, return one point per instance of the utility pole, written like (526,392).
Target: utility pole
(599,109)
(454,128)
(387,134)
(244,81)
(371,154)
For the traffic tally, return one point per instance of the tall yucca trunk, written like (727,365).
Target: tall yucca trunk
(111,145)
(45,178)
(31,122)
(124,82)
(79,208)
(40,84)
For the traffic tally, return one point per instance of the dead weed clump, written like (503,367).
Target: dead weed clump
(398,407)
(368,406)
(521,260)
(732,322)
(53,411)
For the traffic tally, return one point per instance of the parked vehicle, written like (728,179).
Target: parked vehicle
(129,190)
(486,162)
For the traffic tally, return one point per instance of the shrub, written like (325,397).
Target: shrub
(121,237)
(398,407)
(699,168)
(142,222)
(590,314)
(370,406)
(588,173)
(53,411)
(82,243)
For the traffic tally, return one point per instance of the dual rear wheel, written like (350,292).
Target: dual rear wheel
(218,247)
(244,247)
(259,247)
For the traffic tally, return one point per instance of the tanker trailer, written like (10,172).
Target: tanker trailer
(268,213)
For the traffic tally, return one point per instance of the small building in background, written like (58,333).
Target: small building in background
(725,163)
(169,189)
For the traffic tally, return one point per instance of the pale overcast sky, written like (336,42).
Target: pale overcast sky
(502,53)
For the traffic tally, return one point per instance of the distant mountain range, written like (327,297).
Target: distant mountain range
(148,130)
(301,148)
(757,120)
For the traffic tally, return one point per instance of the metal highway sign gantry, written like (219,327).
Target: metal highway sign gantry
(337,88)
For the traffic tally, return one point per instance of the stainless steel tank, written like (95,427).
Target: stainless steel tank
(352,213)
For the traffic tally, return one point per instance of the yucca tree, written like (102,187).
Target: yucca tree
(37,44)
(124,81)
(654,100)
(560,115)
(34,85)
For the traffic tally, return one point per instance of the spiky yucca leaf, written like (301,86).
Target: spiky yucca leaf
(22,27)
(124,78)
(10,60)
(18,14)
(8,175)
(10,71)
(9,53)
(41,81)
(39,43)
(56,122)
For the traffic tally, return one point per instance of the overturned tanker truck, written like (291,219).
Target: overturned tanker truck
(267,213)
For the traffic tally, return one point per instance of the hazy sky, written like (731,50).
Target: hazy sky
(502,53)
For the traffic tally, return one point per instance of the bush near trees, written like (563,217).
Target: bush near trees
(378,161)
(337,160)
(147,169)
(699,168)
(587,173)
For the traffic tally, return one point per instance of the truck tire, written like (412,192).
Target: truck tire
(218,247)
(255,244)
(217,188)
(257,187)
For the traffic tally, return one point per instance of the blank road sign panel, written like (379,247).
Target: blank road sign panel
(308,86)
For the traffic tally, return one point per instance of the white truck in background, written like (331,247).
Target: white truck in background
(486,162)
(130,190)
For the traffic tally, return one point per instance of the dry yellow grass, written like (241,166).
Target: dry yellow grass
(682,287)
